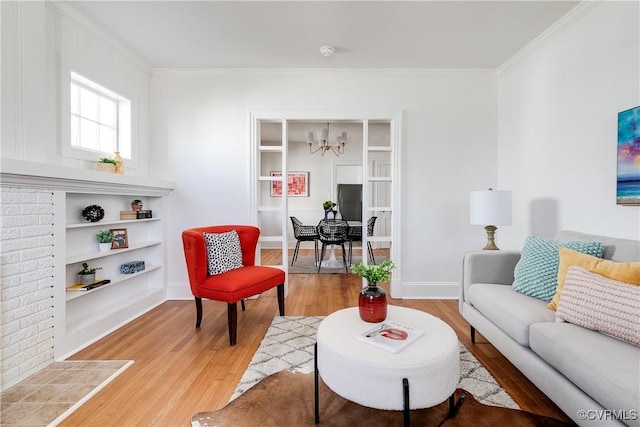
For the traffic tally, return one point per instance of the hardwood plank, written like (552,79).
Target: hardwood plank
(180,370)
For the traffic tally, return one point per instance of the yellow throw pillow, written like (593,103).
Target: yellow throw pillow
(628,272)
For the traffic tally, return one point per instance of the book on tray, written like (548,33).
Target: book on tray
(391,336)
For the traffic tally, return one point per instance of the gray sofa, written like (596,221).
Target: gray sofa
(582,371)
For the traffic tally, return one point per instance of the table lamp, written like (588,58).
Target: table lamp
(490,208)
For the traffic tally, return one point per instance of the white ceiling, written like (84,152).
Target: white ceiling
(288,34)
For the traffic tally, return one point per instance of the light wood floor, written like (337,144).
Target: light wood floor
(180,370)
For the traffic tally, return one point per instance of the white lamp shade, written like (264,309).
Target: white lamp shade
(491,207)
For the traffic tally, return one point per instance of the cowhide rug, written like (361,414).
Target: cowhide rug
(286,399)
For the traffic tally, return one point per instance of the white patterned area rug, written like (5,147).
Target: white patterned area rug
(288,345)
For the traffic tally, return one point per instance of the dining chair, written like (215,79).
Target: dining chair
(303,233)
(221,266)
(355,235)
(333,232)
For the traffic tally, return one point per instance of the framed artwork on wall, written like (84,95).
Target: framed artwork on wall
(297,184)
(628,176)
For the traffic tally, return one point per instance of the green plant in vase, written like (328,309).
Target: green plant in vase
(136,205)
(372,302)
(106,164)
(328,207)
(88,274)
(105,237)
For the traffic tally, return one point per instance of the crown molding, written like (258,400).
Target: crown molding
(574,15)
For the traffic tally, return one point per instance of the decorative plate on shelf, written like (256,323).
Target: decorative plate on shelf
(93,213)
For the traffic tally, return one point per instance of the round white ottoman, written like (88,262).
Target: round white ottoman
(372,377)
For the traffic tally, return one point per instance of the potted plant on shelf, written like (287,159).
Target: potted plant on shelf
(106,164)
(104,240)
(88,274)
(372,302)
(136,205)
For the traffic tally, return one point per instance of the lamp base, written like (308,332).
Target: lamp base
(491,244)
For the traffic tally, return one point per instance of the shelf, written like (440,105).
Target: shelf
(97,322)
(71,295)
(110,222)
(97,254)
(272,148)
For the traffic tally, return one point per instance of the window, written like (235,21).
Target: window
(100,118)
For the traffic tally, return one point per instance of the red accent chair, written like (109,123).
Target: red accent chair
(231,286)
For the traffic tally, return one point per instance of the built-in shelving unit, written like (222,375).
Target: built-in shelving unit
(93,313)
(83,317)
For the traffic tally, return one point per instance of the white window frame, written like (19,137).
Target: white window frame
(126,121)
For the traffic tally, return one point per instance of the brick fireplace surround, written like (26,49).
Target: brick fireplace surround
(26,282)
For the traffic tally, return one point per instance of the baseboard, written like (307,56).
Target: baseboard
(179,291)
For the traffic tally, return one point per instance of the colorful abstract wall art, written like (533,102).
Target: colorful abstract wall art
(628,189)
(297,184)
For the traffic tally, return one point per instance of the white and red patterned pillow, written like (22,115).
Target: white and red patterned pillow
(223,252)
(600,304)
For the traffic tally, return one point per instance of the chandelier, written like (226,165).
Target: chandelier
(324,145)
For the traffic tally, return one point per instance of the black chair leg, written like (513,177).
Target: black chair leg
(370,248)
(242,304)
(198,312)
(344,258)
(295,253)
(315,243)
(232,319)
(473,334)
(280,290)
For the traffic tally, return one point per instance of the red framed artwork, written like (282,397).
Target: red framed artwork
(297,184)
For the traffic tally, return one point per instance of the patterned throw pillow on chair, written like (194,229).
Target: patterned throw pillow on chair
(223,252)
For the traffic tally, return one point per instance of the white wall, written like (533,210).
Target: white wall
(449,144)
(549,115)
(41,43)
(558,108)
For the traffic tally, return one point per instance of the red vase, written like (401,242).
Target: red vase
(373,304)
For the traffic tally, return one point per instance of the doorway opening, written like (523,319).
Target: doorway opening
(290,180)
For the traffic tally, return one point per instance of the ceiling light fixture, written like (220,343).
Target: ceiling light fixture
(323,142)
(327,50)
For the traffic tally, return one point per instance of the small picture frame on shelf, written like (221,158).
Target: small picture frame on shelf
(120,239)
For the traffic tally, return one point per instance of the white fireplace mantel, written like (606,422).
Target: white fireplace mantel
(25,174)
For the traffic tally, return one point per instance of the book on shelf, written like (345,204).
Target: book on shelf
(391,336)
(144,213)
(128,215)
(82,287)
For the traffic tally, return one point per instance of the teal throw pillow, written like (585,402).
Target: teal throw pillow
(536,274)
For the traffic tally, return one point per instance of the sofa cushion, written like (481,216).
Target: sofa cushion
(628,272)
(615,249)
(536,273)
(605,368)
(600,304)
(510,311)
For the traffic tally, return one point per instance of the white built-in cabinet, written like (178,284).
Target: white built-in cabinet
(81,318)
(93,313)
